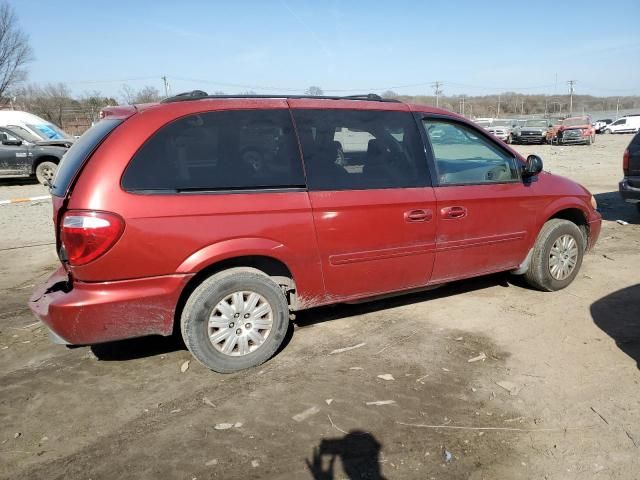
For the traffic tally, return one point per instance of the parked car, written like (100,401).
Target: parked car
(599,125)
(535,131)
(29,125)
(505,129)
(22,157)
(161,226)
(630,184)
(626,124)
(572,130)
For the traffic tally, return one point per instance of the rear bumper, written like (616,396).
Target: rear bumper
(88,313)
(628,193)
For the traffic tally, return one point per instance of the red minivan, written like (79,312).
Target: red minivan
(220,215)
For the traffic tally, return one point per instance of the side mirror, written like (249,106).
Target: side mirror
(532,167)
(16,143)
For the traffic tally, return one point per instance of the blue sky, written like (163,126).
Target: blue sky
(344,47)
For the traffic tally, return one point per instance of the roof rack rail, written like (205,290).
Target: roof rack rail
(200,95)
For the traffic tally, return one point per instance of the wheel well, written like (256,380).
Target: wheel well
(576,216)
(45,158)
(271,267)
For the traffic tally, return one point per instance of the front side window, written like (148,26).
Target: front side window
(620,122)
(225,150)
(360,149)
(463,156)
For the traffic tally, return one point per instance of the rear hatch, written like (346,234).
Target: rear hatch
(73,162)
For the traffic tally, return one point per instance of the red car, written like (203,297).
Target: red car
(218,217)
(573,130)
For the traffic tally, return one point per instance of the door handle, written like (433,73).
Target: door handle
(418,215)
(452,213)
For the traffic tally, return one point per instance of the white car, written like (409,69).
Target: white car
(627,124)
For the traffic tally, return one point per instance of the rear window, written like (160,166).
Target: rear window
(81,150)
(219,151)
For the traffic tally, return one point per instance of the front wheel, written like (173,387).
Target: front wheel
(607,132)
(235,320)
(557,256)
(45,171)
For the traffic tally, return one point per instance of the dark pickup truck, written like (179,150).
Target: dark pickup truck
(630,184)
(22,157)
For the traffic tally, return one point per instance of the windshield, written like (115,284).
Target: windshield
(23,133)
(502,123)
(48,131)
(572,122)
(536,123)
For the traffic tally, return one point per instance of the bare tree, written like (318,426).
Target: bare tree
(315,91)
(15,51)
(50,102)
(147,94)
(128,94)
(389,94)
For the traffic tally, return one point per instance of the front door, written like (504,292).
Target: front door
(13,158)
(485,211)
(372,203)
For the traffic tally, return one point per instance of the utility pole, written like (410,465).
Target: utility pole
(166,86)
(617,107)
(462,106)
(498,110)
(437,91)
(571,84)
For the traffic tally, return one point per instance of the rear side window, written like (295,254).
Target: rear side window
(360,149)
(75,157)
(227,150)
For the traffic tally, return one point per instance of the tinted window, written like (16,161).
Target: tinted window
(228,150)
(83,147)
(360,149)
(464,156)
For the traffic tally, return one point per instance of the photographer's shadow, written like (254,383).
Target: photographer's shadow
(359,454)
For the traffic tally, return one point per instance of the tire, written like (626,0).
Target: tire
(607,131)
(208,302)
(45,171)
(638,207)
(539,275)
(509,139)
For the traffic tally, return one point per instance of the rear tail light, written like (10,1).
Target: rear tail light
(625,162)
(86,235)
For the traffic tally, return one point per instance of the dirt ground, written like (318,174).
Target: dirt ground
(555,398)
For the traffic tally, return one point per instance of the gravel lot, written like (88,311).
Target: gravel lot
(555,397)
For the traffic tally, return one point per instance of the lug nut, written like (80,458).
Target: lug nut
(246,315)
(236,315)
(231,325)
(247,326)
(238,331)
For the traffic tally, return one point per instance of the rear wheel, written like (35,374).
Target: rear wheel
(607,131)
(45,171)
(235,320)
(557,256)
